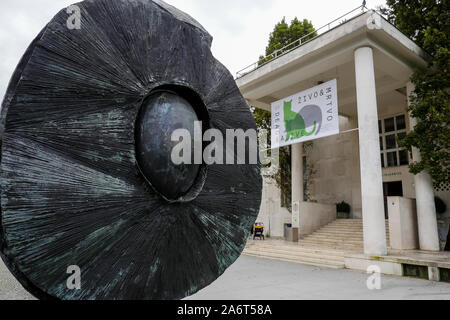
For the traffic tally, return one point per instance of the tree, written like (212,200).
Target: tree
(427,23)
(284,37)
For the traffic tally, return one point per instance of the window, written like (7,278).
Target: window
(392,159)
(401,123)
(391,142)
(391,130)
(389,125)
(404,159)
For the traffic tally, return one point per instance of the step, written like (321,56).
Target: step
(319,238)
(332,245)
(346,231)
(340,235)
(296,258)
(350,222)
(345,224)
(337,239)
(347,248)
(325,243)
(348,225)
(297,255)
(303,260)
(320,265)
(334,236)
(335,245)
(349,231)
(335,227)
(298,248)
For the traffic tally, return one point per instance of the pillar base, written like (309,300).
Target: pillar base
(295,237)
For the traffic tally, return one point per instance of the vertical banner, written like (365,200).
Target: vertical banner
(305,116)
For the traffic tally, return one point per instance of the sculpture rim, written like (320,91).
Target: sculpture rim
(237,204)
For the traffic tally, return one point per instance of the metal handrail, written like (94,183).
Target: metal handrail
(301,42)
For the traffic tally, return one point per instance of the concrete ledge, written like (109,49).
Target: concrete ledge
(362,263)
(415,261)
(393,264)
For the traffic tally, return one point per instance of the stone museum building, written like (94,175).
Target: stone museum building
(363,165)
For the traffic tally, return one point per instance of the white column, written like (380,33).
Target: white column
(426,207)
(297,186)
(297,172)
(369,152)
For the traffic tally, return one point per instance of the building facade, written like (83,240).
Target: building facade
(363,165)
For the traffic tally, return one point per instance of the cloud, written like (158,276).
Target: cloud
(224,15)
(240,27)
(20,23)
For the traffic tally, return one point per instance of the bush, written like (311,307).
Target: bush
(343,207)
(441,207)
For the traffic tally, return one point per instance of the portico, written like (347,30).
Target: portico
(372,62)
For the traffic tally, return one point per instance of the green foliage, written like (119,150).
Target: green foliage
(283,176)
(283,35)
(287,36)
(427,23)
(262,118)
(343,207)
(441,207)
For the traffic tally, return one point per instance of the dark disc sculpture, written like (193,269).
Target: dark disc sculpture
(86,176)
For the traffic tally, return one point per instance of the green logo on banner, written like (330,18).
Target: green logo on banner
(295,124)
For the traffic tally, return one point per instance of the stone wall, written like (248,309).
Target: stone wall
(272,214)
(314,216)
(336,162)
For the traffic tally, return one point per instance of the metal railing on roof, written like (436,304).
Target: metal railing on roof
(299,42)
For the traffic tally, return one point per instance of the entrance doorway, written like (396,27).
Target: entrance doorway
(391,189)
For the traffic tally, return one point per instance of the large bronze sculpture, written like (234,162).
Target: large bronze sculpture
(85,176)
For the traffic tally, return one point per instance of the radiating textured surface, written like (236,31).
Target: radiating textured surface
(71,191)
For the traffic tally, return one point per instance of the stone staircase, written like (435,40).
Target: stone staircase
(283,251)
(326,247)
(345,234)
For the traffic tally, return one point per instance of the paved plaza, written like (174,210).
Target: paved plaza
(260,279)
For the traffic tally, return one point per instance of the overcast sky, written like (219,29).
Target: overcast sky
(240,27)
